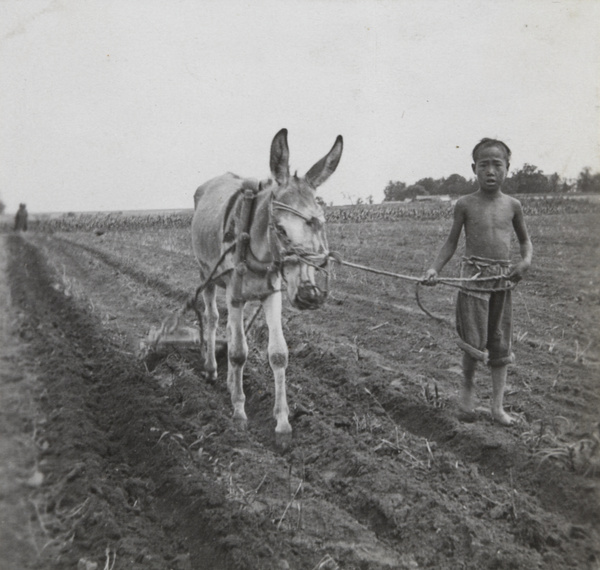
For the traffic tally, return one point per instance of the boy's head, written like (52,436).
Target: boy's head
(487,143)
(491,160)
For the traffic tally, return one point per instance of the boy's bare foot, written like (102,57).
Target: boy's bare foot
(467,400)
(503,418)
(466,406)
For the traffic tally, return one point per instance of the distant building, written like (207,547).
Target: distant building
(434,198)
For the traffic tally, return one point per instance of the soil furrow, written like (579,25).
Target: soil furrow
(104,457)
(381,473)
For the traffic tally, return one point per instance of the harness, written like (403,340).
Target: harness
(282,251)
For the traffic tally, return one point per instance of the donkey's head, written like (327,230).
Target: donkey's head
(297,222)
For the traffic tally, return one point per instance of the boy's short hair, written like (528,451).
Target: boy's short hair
(486,143)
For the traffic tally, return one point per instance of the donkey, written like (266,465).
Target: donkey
(256,239)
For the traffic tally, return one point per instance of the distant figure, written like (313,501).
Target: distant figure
(484,317)
(21,219)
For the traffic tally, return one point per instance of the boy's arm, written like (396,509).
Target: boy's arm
(447,250)
(525,245)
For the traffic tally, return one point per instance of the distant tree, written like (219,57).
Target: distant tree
(430,185)
(471,186)
(529,180)
(394,191)
(354,200)
(509,186)
(588,183)
(457,185)
(567,186)
(416,190)
(558,185)
(2,207)
(320,201)
(452,184)
(554,184)
(370,199)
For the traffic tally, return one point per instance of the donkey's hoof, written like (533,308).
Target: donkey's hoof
(283,440)
(210,376)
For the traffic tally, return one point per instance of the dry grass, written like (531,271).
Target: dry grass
(552,442)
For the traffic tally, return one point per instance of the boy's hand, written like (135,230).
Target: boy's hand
(430,277)
(518,271)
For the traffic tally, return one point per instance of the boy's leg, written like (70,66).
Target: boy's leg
(498,386)
(471,325)
(469,365)
(500,344)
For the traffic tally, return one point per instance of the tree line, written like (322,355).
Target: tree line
(529,179)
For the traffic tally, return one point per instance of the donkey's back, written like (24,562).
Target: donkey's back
(213,202)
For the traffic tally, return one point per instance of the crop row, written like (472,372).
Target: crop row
(101,222)
(438,210)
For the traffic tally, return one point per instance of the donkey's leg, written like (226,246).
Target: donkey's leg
(237,352)
(212,319)
(278,358)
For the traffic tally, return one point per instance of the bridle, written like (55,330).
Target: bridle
(287,251)
(281,248)
(282,251)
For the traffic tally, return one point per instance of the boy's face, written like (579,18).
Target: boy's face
(491,168)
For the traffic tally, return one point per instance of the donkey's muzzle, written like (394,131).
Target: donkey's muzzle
(309,296)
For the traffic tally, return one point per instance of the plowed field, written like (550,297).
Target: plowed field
(112,461)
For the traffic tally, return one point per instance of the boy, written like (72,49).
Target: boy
(484,318)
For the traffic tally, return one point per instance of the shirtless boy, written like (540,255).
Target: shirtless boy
(484,319)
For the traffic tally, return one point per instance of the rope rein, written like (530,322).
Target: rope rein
(456,282)
(284,251)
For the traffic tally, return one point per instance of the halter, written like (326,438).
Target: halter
(293,253)
(283,250)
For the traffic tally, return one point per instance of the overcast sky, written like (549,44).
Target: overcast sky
(132,104)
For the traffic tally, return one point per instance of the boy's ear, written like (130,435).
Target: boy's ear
(473,168)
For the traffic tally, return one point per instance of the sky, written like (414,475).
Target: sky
(132,104)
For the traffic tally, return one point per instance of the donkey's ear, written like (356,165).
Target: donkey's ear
(323,169)
(280,157)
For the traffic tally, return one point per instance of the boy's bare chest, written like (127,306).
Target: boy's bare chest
(488,220)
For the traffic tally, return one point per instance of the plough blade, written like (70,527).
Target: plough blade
(170,334)
(181,337)
(173,334)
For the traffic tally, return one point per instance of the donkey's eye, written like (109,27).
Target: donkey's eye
(281,229)
(314,223)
